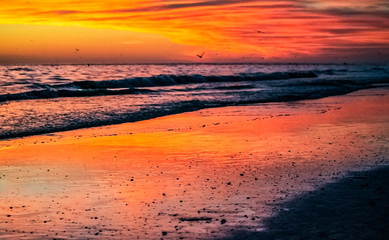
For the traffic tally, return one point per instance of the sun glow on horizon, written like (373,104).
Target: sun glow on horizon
(175,31)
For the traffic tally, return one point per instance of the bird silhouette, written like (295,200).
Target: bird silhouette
(259,31)
(200,56)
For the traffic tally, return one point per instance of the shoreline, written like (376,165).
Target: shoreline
(205,173)
(138,117)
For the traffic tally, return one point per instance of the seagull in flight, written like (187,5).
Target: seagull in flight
(200,56)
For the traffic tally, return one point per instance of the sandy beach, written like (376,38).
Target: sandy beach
(250,171)
(356,207)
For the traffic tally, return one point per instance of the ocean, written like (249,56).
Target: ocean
(38,99)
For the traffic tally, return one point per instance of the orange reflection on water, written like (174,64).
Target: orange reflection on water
(180,175)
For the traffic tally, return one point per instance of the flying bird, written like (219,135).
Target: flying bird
(259,31)
(200,56)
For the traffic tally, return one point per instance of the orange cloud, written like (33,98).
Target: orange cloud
(288,30)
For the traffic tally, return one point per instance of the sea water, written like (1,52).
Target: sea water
(36,99)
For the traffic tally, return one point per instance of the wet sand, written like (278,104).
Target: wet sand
(355,207)
(215,173)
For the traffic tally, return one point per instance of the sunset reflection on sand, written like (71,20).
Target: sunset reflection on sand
(201,174)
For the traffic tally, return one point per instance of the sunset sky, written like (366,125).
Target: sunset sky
(164,31)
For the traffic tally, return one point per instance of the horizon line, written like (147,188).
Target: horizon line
(198,63)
